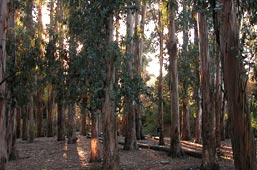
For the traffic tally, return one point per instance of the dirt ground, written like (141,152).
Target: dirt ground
(48,154)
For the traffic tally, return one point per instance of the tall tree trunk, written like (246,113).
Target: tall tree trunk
(95,153)
(175,145)
(3,30)
(129,108)
(31,120)
(11,105)
(218,101)
(209,161)
(111,160)
(60,121)
(39,102)
(71,124)
(197,93)
(185,124)
(160,82)
(24,123)
(243,145)
(139,33)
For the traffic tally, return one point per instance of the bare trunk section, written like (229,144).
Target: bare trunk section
(83,121)
(31,120)
(39,103)
(3,30)
(243,145)
(129,108)
(111,160)
(24,123)
(60,121)
(209,161)
(18,123)
(95,153)
(139,33)
(175,145)
(71,124)
(185,128)
(50,113)
(160,82)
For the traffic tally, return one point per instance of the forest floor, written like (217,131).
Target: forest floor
(48,154)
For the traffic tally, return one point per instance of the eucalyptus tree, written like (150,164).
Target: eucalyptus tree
(160,31)
(185,72)
(243,145)
(175,145)
(209,147)
(129,98)
(3,26)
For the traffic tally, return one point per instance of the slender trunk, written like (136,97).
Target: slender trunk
(198,119)
(209,148)
(243,145)
(31,120)
(11,132)
(72,124)
(138,63)
(95,153)
(60,121)
(18,123)
(160,82)
(185,134)
(111,160)
(197,93)
(83,121)
(50,112)
(223,119)
(218,101)
(39,114)
(175,145)
(24,123)
(129,110)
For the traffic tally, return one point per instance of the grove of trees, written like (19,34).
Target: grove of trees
(75,65)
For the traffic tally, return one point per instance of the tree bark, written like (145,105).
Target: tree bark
(243,145)
(160,82)
(111,160)
(129,108)
(95,153)
(84,118)
(24,123)
(209,161)
(50,110)
(31,120)
(3,31)
(39,114)
(175,145)
(185,128)
(71,124)
(60,121)
(18,123)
